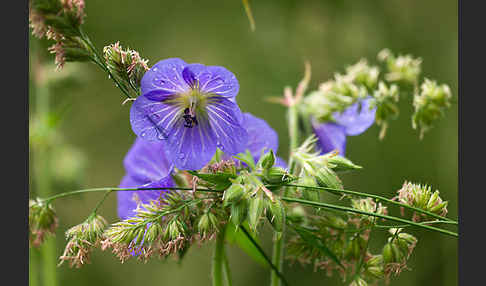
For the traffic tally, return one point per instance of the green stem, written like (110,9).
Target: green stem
(425,222)
(292,118)
(347,209)
(104,189)
(97,59)
(218,260)
(95,210)
(278,246)
(277,259)
(360,194)
(43,185)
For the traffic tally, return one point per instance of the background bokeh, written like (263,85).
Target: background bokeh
(330,34)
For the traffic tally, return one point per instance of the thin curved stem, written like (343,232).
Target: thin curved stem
(360,194)
(104,189)
(98,60)
(391,218)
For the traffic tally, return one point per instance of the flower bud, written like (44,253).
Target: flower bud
(238,212)
(233,194)
(255,210)
(355,247)
(430,105)
(42,221)
(385,100)
(340,164)
(388,256)
(125,63)
(267,160)
(325,177)
(277,176)
(422,197)
(275,212)
(401,68)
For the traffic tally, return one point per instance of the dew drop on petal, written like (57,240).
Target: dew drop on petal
(143,134)
(181,155)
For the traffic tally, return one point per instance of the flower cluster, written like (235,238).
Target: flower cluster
(60,21)
(126,64)
(397,251)
(166,226)
(401,68)
(422,197)
(320,170)
(42,221)
(430,104)
(82,238)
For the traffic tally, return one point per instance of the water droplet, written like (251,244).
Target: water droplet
(181,155)
(143,134)
(155,69)
(155,116)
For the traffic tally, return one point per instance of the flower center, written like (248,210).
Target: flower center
(194,103)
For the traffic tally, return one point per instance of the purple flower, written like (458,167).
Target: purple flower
(192,109)
(146,167)
(352,121)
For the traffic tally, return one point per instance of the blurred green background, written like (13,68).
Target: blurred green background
(330,34)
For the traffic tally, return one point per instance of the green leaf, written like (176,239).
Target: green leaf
(218,181)
(313,240)
(236,236)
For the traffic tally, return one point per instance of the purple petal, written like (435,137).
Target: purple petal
(355,120)
(128,200)
(212,79)
(224,117)
(146,161)
(192,74)
(152,120)
(164,79)
(191,148)
(260,135)
(331,137)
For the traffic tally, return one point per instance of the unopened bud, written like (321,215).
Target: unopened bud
(275,212)
(239,212)
(255,210)
(277,176)
(327,178)
(233,194)
(267,160)
(430,105)
(340,164)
